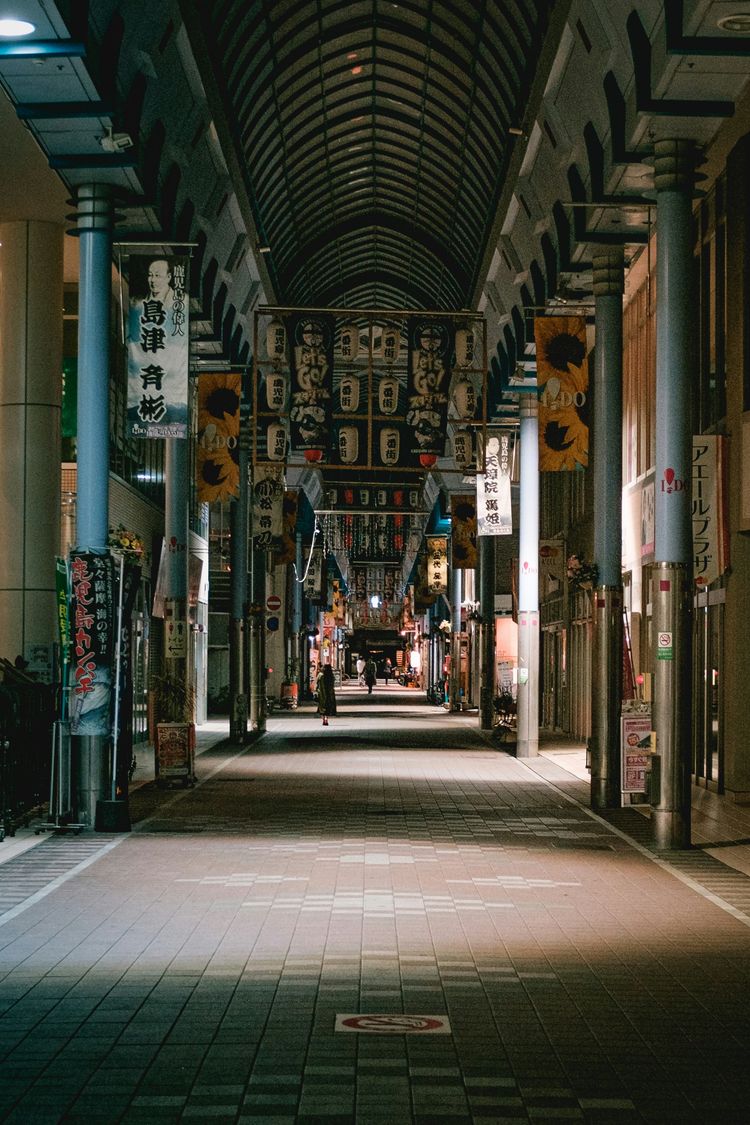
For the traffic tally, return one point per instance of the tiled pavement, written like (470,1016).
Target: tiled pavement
(394,862)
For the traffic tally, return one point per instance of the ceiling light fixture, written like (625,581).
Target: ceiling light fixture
(264,249)
(13,29)
(739,22)
(356,70)
(516,131)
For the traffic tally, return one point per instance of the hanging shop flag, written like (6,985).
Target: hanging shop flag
(437,564)
(91,624)
(268,505)
(217,449)
(359,583)
(562,375)
(463,532)
(286,546)
(158,346)
(429,376)
(313,582)
(710,525)
(494,512)
(390,576)
(311,381)
(423,596)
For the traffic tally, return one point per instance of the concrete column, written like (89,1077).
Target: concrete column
(238,595)
(91,753)
(606,679)
(176,530)
(486,545)
(528,581)
(672,576)
(454,682)
(257,641)
(31,277)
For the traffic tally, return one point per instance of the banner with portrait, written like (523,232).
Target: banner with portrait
(217,448)
(494,510)
(430,354)
(311,340)
(92,642)
(463,532)
(158,346)
(562,374)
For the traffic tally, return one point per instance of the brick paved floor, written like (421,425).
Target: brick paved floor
(394,862)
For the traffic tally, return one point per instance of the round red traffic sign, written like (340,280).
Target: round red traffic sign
(273,603)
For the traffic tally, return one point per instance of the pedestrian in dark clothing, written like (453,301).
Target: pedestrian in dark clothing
(371,675)
(326,693)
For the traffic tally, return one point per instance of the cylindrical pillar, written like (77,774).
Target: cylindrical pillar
(176,530)
(91,753)
(606,680)
(674,177)
(528,581)
(31,281)
(486,544)
(257,641)
(454,682)
(295,670)
(238,598)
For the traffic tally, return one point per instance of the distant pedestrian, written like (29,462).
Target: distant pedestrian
(387,670)
(326,693)
(371,675)
(361,670)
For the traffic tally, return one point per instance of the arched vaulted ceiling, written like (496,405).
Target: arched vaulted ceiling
(374,137)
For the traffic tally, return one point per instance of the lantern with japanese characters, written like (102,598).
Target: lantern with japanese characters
(349,342)
(390,445)
(349,394)
(276,340)
(276,441)
(465,398)
(463,449)
(391,344)
(348,445)
(465,347)
(276,391)
(388,395)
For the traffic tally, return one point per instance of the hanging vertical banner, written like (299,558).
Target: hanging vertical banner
(217,448)
(286,546)
(429,376)
(91,617)
(562,375)
(268,505)
(494,511)
(463,532)
(313,588)
(423,596)
(311,341)
(710,524)
(437,564)
(390,574)
(158,346)
(359,583)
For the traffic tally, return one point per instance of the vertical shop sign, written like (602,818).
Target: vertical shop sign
(463,532)
(286,546)
(311,381)
(494,512)
(563,380)
(430,353)
(91,617)
(158,346)
(437,564)
(217,448)
(313,589)
(268,506)
(710,528)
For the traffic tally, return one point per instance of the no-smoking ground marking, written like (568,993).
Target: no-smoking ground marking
(397,1024)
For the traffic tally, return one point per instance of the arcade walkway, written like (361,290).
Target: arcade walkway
(395,863)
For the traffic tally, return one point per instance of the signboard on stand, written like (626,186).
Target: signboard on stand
(635,742)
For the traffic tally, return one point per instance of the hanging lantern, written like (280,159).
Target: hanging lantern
(349,342)
(427,460)
(465,347)
(349,394)
(313,455)
(388,395)
(391,344)
(276,441)
(465,398)
(348,445)
(390,445)
(276,339)
(463,448)
(276,387)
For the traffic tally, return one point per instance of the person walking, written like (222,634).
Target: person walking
(371,675)
(326,693)
(361,671)
(387,670)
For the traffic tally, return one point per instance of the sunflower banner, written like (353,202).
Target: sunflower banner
(562,374)
(463,532)
(217,450)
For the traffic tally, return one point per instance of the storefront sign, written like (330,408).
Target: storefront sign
(709,508)
(158,346)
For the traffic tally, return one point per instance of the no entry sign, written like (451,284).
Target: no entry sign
(273,603)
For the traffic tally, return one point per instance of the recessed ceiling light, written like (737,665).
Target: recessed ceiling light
(356,70)
(352,55)
(12,29)
(740,22)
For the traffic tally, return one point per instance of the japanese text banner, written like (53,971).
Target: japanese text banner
(158,346)
(562,375)
(709,505)
(494,512)
(91,625)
